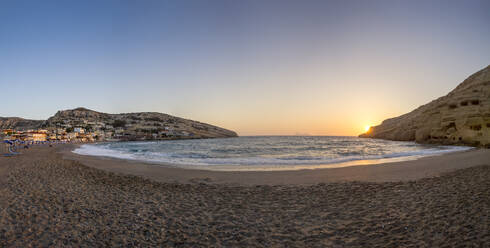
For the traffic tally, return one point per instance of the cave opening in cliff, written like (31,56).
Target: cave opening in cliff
(476,127)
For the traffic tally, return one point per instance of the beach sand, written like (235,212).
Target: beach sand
(49,197)
(385,172)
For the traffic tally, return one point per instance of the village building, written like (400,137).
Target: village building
(37,136)
(52,136)
(71,136)
(79,130)
(7,131)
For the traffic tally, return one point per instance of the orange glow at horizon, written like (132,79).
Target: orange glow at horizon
(366,128)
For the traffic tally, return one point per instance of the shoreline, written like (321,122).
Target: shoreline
(391,171)
(285,167)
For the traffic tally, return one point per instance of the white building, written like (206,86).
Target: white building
(79,130)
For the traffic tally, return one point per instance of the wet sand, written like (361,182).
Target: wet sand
(49,200)
(386,172)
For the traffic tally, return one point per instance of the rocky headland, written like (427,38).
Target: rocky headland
(462,117)
(19,123)
(125,126)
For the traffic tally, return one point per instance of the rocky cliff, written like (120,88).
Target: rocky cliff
(460,117)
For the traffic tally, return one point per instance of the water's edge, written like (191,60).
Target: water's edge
(268,165)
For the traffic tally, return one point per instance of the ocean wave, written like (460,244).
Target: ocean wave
(214,153)
(94,150)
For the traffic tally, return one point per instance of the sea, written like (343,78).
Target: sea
(256,153)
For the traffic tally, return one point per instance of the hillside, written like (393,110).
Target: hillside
(19,123)
(460,117)
(126,126)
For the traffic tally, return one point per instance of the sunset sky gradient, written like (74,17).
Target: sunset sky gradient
(256,67)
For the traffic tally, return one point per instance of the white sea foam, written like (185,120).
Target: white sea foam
(94,150)
(249,153)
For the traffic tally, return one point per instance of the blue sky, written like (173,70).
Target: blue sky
(257,67)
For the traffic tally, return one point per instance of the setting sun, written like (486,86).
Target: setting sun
(366,128)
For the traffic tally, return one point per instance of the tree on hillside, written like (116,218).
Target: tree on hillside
(119,123)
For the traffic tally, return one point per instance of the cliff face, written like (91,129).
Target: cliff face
(19,123)
(460,117)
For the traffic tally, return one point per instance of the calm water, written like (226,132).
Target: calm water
(265,153)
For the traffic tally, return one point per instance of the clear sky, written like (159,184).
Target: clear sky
(256,67)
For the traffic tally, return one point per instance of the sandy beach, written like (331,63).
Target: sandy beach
(410,170)
(51,197)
